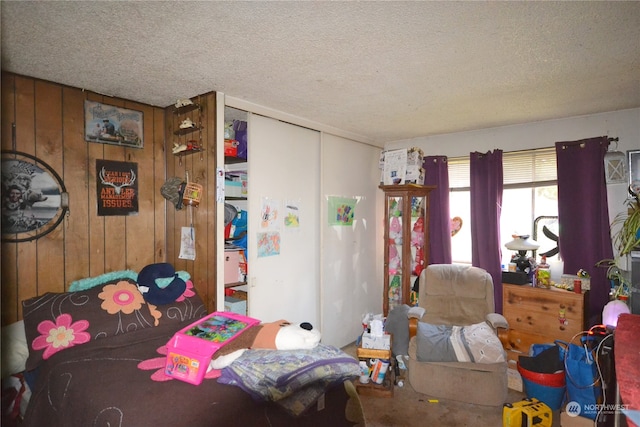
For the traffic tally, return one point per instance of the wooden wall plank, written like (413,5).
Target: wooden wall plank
(9,277)
(8,111)
(170,161)
(139,248)
(48,129)
(97,226)
(25,142)
(77,234)
(159,174)
(115,229)
(209,122)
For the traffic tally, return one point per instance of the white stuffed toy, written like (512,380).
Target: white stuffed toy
(183,102)
(279,335)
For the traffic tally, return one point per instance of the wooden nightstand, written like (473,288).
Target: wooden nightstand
(371,388)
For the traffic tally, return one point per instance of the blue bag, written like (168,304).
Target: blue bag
(583,380)
(239,234)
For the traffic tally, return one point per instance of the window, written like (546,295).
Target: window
(530,191)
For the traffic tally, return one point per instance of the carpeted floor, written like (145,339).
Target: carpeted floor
(407,408)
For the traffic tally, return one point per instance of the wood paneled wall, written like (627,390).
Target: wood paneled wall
(49,124)
(201,168)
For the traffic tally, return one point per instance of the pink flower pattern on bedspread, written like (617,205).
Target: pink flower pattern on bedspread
(188,292)
(60,335)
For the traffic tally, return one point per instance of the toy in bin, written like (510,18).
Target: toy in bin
(189,351)
(526,413)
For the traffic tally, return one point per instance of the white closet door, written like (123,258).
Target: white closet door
(284,165)
(352,256)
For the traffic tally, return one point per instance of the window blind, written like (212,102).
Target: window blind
(527,167)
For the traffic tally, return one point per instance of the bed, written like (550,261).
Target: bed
(103,367)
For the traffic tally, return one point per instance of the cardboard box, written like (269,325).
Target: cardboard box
(380,343)
(568,421)
(514,380)
(231,266)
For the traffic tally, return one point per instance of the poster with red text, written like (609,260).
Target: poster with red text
(117,187)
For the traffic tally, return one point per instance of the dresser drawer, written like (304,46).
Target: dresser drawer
(538,316)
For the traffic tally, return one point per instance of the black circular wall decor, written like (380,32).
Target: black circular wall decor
(34,198)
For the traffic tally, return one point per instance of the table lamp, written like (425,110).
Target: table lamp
(522,244)
(612,311)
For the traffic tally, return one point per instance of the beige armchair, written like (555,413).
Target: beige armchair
(457,295)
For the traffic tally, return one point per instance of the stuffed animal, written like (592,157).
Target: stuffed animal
(177,148)
(417,234)
(394,259)
(187,124)
(183,102)
(279,335)
(395,231)
(417,265)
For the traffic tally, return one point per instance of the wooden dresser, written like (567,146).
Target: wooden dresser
(538,316)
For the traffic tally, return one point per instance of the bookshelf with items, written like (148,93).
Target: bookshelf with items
(236,205)
(188,128)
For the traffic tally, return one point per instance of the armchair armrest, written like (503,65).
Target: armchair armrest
(500,325)
(496,321)
(414,315)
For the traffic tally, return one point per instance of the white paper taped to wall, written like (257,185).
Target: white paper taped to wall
(188,243)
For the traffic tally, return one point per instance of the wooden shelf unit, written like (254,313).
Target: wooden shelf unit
(371,388)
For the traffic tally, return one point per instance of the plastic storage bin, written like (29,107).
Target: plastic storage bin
(189,351)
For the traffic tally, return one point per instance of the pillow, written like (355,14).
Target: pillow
(103,279)
(475,343)
(58,321)
(434,344)
(14,349)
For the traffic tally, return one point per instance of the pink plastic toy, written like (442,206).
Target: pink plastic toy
(189,351)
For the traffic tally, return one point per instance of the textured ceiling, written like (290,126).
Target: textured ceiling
(382,71)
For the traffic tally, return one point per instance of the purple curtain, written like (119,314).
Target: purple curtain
(486,206)
(437,174)
(583,215)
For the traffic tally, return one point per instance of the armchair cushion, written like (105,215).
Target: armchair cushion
(434,343)
(475,343)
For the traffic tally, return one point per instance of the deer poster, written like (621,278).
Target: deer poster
(117,187)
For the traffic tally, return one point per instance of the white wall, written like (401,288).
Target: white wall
(624,124)
(284,164)
(351,262)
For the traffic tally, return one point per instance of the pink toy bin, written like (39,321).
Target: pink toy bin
(189,351)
